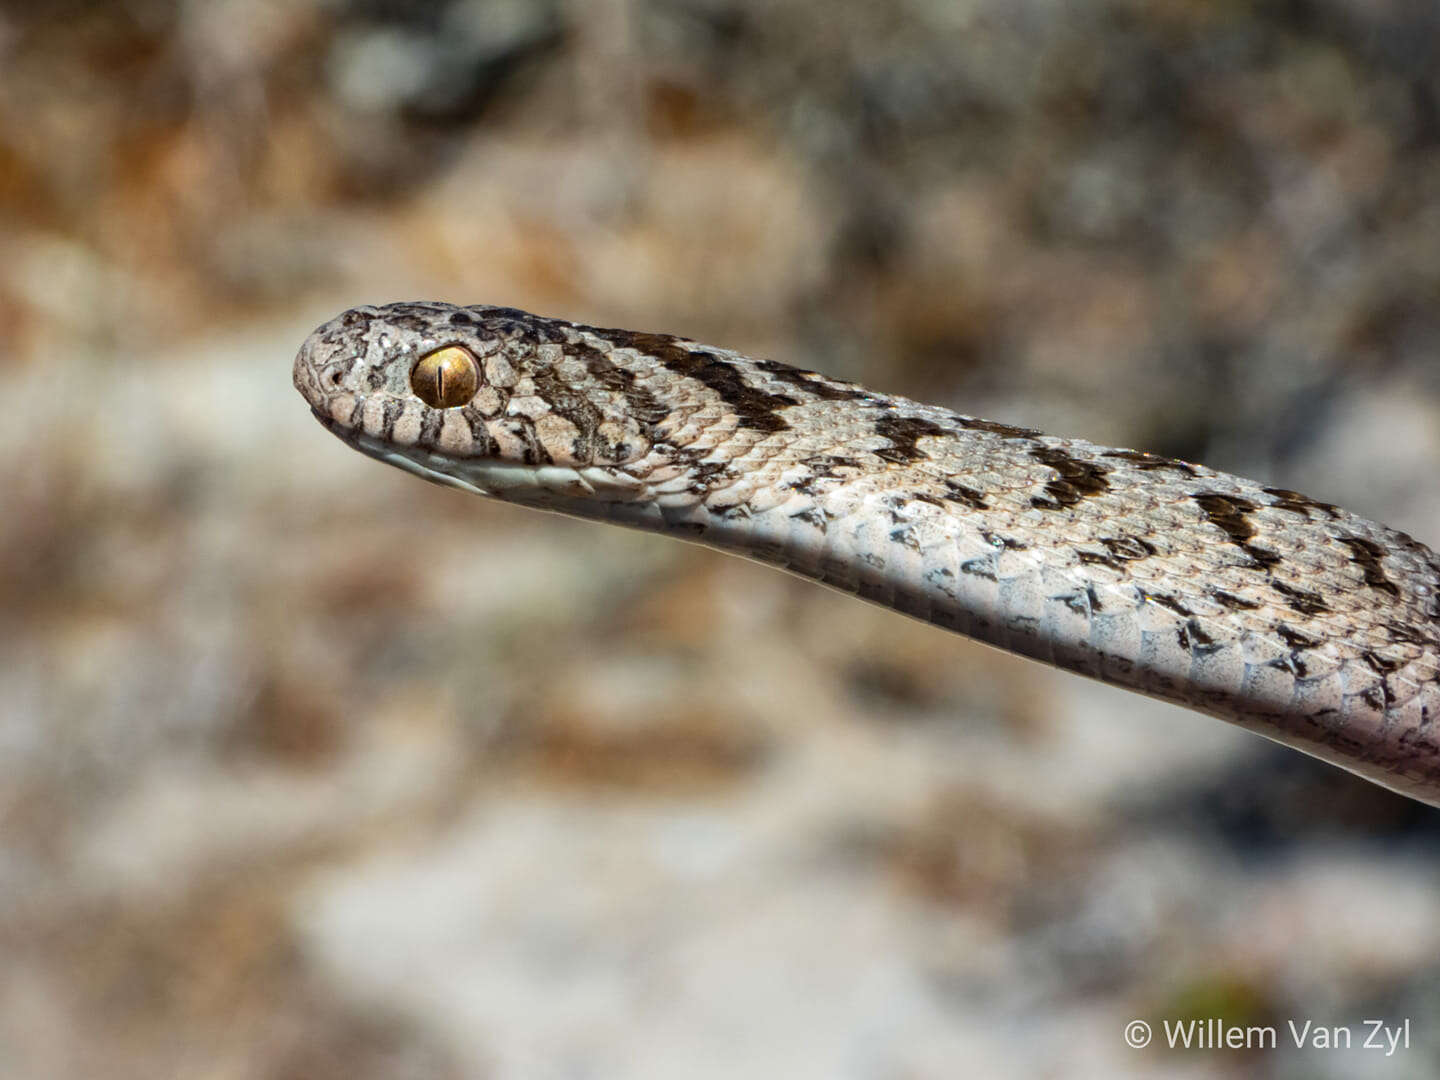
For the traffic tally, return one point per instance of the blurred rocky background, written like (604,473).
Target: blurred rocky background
(310,770)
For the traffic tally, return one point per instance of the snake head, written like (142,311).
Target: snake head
(490,399)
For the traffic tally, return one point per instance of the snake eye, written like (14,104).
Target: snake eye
(445,378)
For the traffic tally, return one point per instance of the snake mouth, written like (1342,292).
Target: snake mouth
(345,432)
(542,486)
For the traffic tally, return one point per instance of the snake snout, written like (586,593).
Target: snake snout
(306,378)
(324,373)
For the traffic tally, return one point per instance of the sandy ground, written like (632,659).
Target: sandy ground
(309,770)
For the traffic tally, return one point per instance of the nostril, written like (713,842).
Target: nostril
(334,378)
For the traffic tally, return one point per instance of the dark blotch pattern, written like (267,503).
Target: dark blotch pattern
(995,540)
(1300,600)
(922,497)
(1380,665)
(1169,602)
(758,410)
(1151,462)
(1078,479)
(1128,548)
(965,496)
(982,567)
(822,467)
(1008,431)
(1378,697)
(1296,503)
(1366,555)
(1232,602)
(576,408)
(1294,638)
(1195,640)
(904,432)
(704,475)
(1403,634)
(905,537)
(520,327)
(1291,663)
(1231,514)
(416,318)
(640,402)
(813,383)
(392,410)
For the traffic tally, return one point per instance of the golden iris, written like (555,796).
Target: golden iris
(446,377)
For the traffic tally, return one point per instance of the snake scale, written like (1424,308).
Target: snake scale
(1285,615)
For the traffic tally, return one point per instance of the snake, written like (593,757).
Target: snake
(1288,616)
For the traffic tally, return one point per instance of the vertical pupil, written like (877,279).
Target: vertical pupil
(445,378)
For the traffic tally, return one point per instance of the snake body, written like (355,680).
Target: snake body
(1286,615)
